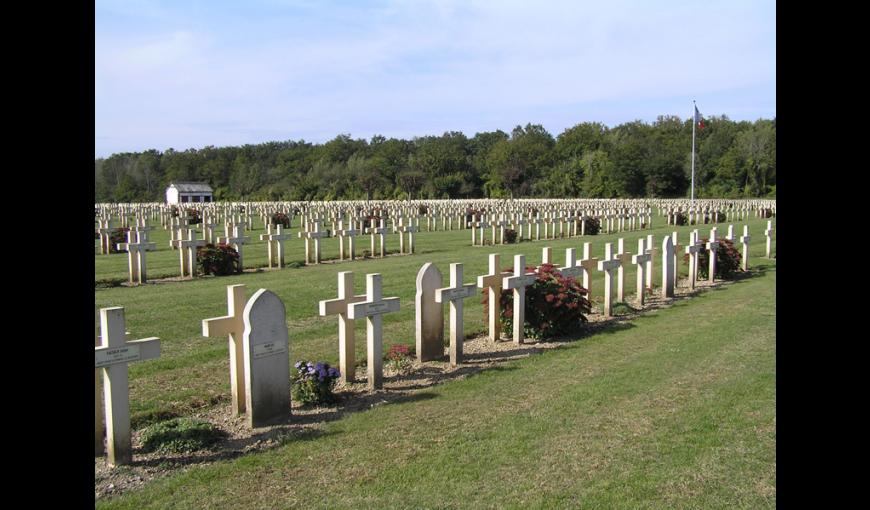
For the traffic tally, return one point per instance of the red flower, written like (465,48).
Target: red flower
(549,298)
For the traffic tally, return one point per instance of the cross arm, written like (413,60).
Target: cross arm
(339,305)
(222,326)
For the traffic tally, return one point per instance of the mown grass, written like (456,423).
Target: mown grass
(193,370)
(676,409)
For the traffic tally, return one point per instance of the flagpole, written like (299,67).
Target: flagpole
(693,149)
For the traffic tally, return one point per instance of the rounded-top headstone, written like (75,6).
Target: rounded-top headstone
(267,364)
(429,314)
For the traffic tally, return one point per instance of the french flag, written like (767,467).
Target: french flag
(698,120)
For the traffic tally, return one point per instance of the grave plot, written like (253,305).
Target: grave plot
(204,364)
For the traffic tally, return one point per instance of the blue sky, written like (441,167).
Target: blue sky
(187,74)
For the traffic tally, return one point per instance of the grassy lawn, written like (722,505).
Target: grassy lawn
(193,370)
(676,409)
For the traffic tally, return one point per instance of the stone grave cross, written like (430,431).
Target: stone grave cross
(136,257)
(668,267)
(346,336)
(624,260)
(588,264)
(232,325)
(187,253)
(744,239)
(105,232)
(712,252)
(650,265)
(492,282)
(315,234)
(455,294)
(608,265)
(692,249)
(112,356)
(518,282)
(237,241)
(641,260)
(349,234)
(372,308)
(768,233)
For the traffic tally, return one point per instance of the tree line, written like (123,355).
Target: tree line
(588,160)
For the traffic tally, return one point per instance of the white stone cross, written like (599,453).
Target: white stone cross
(518,282)
(768,233)
(136,256)
(232,325)
(692,249)
(346,336)
(650,265)
(455,293)
(624,260)
(668,267)
(406,229)
(315,234)
(641,260)
(608,265)
(518,225)
(267,363)
(572,269)
(187,253)
(744,239)
(350,234)
(677,254)
(275,244)
(105,232)
(492,282)
(500,223)
(546,255)
(712,251)
(588,264)
(237,241)
(112,356)
(381,231)
(372,308)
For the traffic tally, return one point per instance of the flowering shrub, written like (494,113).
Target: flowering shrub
(593,226)
(680,219)
(282,219)
(398,358)
(766,213)
(423,209)
(220,260)
(174,211)
(510,236)
(195,217)
(728,260)
(119,235)
(313,383)
(555,304)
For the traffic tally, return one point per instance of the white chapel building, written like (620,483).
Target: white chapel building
(184,192)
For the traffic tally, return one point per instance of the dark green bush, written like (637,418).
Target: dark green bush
(220,260)
(180,435)
(510,236)
(680,219)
